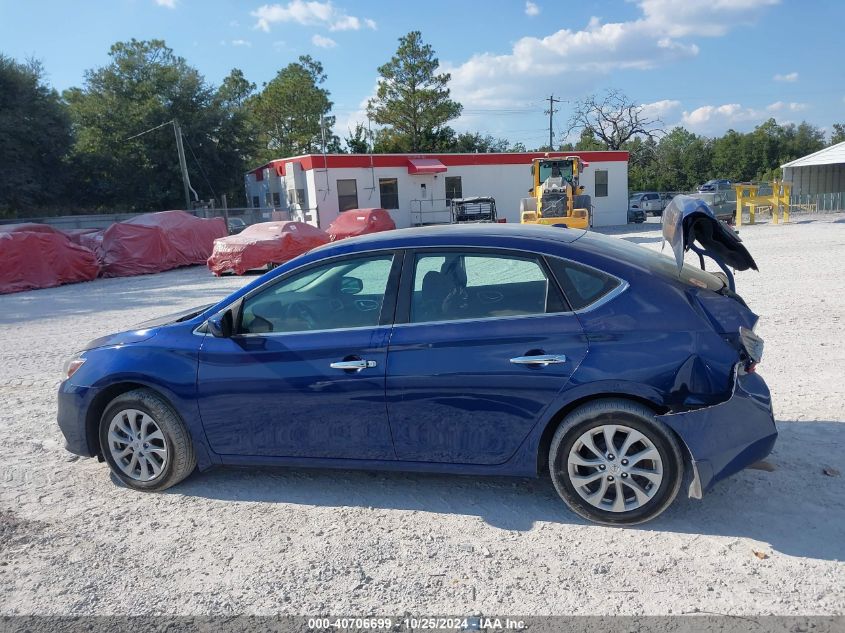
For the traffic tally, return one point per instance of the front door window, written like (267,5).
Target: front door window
(341,295)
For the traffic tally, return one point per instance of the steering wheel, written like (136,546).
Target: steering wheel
(300,310)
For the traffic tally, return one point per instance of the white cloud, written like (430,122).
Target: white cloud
(531,9)
(790,77)
(309,13)
(323,42)
(663,33)
(715,119)
(780,106)
(661,109)
(170,4)
(703,18)
(726,114)
(246,43)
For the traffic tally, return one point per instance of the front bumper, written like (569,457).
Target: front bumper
(729,436)
(73,405)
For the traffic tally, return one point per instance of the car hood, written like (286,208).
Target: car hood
(174,317)
(688,220)
(121,338)
(146,330)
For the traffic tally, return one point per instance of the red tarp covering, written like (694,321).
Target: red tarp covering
(191,238)
(29,227)
(262,244)
(42,259)
(425,166)
(75,235)
(132,249)
(359,222)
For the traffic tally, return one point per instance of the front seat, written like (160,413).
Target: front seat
(456,302)
(435,288)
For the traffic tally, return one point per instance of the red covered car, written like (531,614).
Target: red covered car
(264,244)
(359,222)
(125,249)
(39,256)
(190,239)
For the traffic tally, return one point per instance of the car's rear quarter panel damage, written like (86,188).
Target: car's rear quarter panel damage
(726,437)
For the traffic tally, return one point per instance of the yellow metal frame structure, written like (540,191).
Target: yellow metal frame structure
(747,195)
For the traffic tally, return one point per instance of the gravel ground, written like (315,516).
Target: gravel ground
(310,542)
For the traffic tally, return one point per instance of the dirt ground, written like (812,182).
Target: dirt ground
(316,542)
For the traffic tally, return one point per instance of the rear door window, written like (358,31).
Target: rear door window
(456,286)
(582,286)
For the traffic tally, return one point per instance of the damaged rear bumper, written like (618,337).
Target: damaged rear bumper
(729,436)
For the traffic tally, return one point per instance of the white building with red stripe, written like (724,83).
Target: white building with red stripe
(416,188)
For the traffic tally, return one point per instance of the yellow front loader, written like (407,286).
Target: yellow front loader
(556,198)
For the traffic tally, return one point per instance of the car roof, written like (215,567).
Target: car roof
(454,234)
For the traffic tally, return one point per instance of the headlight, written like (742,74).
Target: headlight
(72,364)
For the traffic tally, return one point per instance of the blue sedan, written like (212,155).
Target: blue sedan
(477,349)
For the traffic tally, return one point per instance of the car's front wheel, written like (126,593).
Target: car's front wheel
(612,462)
(145,442)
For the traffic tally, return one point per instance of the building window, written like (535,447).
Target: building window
(255,203)
(277,201)
(601,183)
(296,196)
(453,187)
(347,195)
(268,199)
(389,192)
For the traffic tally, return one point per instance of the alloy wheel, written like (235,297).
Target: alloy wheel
(615,468)
(137,445)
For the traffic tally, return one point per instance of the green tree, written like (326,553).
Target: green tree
(412,99)
(838,133)
(587,142)
(681,161)
(475,142)
(358,141)
(35,136)
(290,110)
(117,166)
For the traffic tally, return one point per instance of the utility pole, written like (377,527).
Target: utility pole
(551,112)
(177,129)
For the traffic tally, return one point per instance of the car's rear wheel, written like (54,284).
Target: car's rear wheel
(612,462)
(145,442)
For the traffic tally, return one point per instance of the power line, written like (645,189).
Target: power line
(152,129)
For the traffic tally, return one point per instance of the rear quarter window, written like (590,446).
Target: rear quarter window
(582,285)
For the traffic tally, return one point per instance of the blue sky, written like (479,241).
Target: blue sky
(706,64)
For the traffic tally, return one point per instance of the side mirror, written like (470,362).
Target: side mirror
(221,325)
(351,285)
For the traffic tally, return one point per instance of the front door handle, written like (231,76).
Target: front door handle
(541,359)
(354,365)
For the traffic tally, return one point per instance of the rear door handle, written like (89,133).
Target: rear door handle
(542,359)
(354,365)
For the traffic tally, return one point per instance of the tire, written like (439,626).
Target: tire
(657,490)
(141,425)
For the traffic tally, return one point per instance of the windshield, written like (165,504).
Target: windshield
(555,169)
